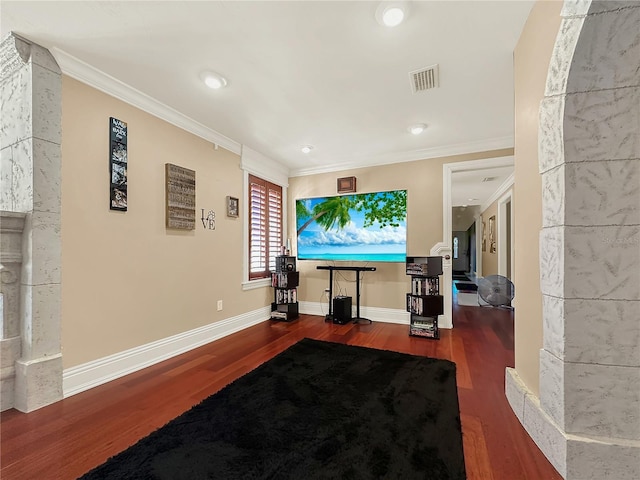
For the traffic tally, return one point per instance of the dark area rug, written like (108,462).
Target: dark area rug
(466,287)
(318,410)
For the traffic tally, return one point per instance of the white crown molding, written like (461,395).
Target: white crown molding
(99,80)
(85,73)
(410,156)
(92,374)
(264,167)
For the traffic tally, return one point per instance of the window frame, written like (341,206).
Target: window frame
(271,246)
(254,163)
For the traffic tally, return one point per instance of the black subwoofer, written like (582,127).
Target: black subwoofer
(342,310)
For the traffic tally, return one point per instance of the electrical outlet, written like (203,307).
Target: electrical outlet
(219,305)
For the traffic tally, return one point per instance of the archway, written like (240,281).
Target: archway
(585,419)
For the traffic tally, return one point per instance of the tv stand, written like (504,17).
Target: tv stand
(348,269)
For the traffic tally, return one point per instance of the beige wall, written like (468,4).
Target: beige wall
(531,62)
(387,286)
(489,259)
(126,279)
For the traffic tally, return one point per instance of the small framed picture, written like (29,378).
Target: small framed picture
(347,185)
(233,207)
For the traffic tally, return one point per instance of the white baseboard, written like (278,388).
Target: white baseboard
(542,430)
(97,372)
(89,375)
(573,455)
(376,314)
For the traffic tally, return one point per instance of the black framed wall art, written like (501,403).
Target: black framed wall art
(118,162)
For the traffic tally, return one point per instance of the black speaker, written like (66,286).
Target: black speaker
(342,310)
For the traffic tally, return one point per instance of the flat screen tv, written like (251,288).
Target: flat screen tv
(363,227)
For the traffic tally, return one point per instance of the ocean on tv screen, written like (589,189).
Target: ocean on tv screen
(356,257)
(367,227)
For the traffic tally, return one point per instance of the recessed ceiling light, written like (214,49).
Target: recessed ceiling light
(391,14)
(417,129)
(306,149)
(213,80)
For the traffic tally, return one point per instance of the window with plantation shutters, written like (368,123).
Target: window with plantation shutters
(265,226)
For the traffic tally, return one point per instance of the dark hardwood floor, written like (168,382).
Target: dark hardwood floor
(66,439)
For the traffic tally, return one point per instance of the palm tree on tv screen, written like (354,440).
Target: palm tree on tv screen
(387,208)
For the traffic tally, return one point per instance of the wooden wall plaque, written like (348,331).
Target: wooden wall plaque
(347,185)
(181,197)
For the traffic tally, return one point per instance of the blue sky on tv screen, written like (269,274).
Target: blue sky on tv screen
(354,241)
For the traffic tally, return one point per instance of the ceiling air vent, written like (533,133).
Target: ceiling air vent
(424,79)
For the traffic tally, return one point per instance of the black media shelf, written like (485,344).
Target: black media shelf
(424,302)
(285,281)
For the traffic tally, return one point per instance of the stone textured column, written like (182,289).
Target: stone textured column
(590,243)
(30,163)
(587,417)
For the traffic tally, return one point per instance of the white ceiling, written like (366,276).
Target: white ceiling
(303,72)
(476,187)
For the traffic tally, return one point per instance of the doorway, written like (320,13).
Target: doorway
(445,248)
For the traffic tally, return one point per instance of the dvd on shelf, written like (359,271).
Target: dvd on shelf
(424,302)
(424,322)
(286,296)
(425,285)
(423,332)
(279,315)
(284,281)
